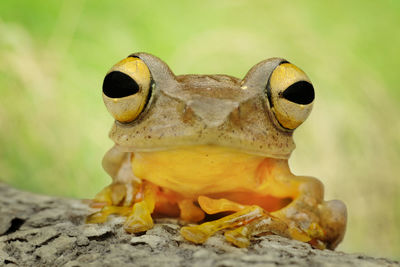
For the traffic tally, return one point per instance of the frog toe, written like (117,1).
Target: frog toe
(137,225)
(195,234)
(102,215)
(140,219)
(238,237)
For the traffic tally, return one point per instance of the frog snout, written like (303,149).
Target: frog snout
(126,89)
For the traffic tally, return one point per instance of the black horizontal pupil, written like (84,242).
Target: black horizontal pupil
(117,85)
(300,92)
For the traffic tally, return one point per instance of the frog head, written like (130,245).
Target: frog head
(154,109)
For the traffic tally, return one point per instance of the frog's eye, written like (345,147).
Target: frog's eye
(291,95)
(126,89)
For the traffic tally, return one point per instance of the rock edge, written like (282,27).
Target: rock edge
(43,230)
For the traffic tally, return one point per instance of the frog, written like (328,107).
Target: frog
(212,151)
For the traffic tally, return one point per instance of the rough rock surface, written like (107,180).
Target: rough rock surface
(48,231)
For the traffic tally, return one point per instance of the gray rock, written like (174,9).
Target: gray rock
(48,231)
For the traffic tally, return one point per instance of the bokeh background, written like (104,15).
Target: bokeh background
(54,55)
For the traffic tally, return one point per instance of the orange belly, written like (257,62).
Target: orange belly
(199,170)
(211,171)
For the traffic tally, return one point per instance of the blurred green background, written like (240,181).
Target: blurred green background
(54,55)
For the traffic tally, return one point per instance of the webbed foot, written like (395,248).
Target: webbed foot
(116,194)
(117,198)
(120,199)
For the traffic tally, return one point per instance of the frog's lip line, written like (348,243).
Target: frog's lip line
(237,150)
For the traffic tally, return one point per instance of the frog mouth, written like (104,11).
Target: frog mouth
(139,145)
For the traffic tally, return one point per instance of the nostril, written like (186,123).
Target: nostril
(117,85)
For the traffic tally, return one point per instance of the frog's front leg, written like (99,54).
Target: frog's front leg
(200,233)
(139,220)
(119,196)
(124,186)
(138,216)
(246,222)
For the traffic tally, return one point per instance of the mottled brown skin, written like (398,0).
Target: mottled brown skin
(223,115)
(206,109)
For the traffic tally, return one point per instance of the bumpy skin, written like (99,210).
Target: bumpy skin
(211,144)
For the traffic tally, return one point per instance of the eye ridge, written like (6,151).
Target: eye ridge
(118,84)
(301,92)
